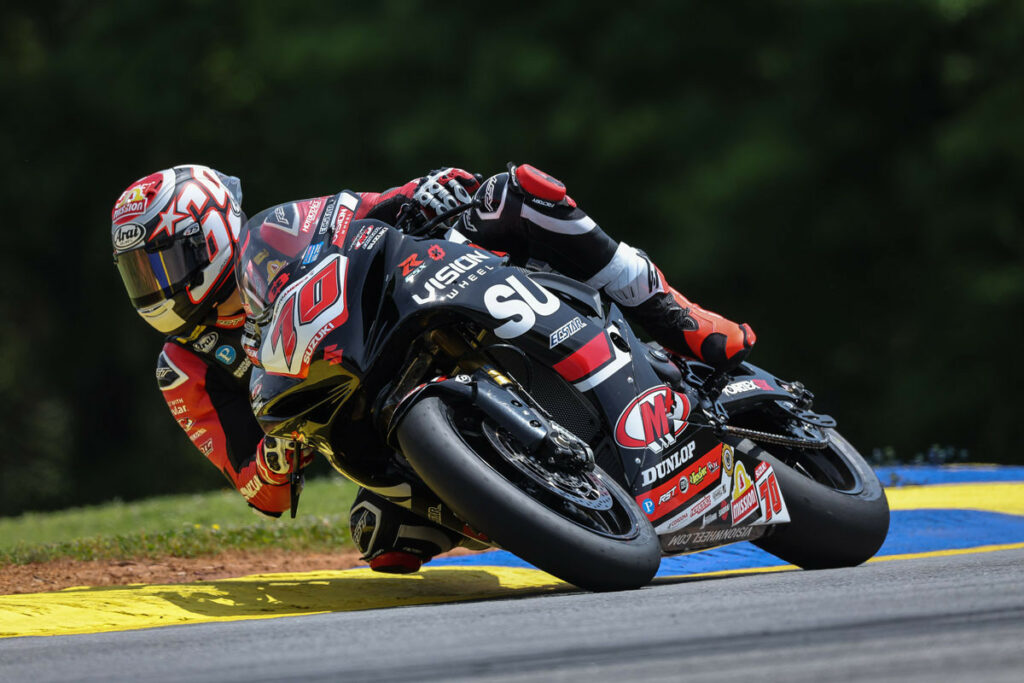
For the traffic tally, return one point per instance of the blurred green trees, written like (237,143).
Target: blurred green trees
(845,176)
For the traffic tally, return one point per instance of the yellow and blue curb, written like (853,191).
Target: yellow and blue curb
(936,511)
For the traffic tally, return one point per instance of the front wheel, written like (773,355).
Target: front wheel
(581,527)
(838,510)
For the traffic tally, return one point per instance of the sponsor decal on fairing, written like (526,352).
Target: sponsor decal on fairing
(312,211)
(691,514)
(277,286)
(668,466)
(332,354)
(772,504)
(451,279)
(653,419)
(344,219)
(307,310)
(746,385)
(411,265)
(744,497)
(727,458)
(685,540)
(701,474)
(327,222)
(367,238)
(565,332)
(273,267)
(311,253)
(516,303)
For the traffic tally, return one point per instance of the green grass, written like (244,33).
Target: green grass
(179,526)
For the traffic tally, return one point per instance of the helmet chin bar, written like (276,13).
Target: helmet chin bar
(162,316)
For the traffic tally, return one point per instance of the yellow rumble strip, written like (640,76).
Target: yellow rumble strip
(261,596)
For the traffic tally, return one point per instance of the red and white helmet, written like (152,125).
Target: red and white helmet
(175,236)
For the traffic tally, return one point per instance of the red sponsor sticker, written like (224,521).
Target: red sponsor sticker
(312,211)
(744,505)
(704,472)
(410,264)
(341,226)
(135,199)
(653,419)
(332,354)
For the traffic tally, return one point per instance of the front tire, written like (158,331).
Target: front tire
(494,503)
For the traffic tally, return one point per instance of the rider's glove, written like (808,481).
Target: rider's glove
(276,459)
(444,189)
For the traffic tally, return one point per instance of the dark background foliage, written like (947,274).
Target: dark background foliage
(843,175)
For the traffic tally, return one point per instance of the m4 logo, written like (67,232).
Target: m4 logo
(653,420)
(303,315)
(517,304)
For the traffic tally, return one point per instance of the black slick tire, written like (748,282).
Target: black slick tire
(478,493)
(829,528)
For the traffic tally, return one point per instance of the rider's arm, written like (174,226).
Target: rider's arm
(437,191)
(384,206)
(218,419)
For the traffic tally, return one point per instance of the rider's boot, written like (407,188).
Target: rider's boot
(392,539)
(680,325)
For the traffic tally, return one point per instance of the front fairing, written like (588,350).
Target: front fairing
(318,382)
(387,288)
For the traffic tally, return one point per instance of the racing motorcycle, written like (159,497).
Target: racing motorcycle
(521,410)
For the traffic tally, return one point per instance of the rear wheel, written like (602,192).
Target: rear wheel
(839,513)
(578,525)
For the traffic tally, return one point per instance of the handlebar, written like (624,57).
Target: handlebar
(443,216)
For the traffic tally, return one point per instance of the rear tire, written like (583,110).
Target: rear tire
(829,527)
(519,522)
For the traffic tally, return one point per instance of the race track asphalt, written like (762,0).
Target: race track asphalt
(951,618)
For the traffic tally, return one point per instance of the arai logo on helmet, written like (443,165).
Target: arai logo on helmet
(128,236)
(653,419)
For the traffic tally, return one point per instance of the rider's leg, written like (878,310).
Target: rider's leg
(528,214)
(393,539)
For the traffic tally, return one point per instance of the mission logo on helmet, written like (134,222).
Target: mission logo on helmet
(134,201)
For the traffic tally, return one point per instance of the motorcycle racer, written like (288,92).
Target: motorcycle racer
(176,244)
